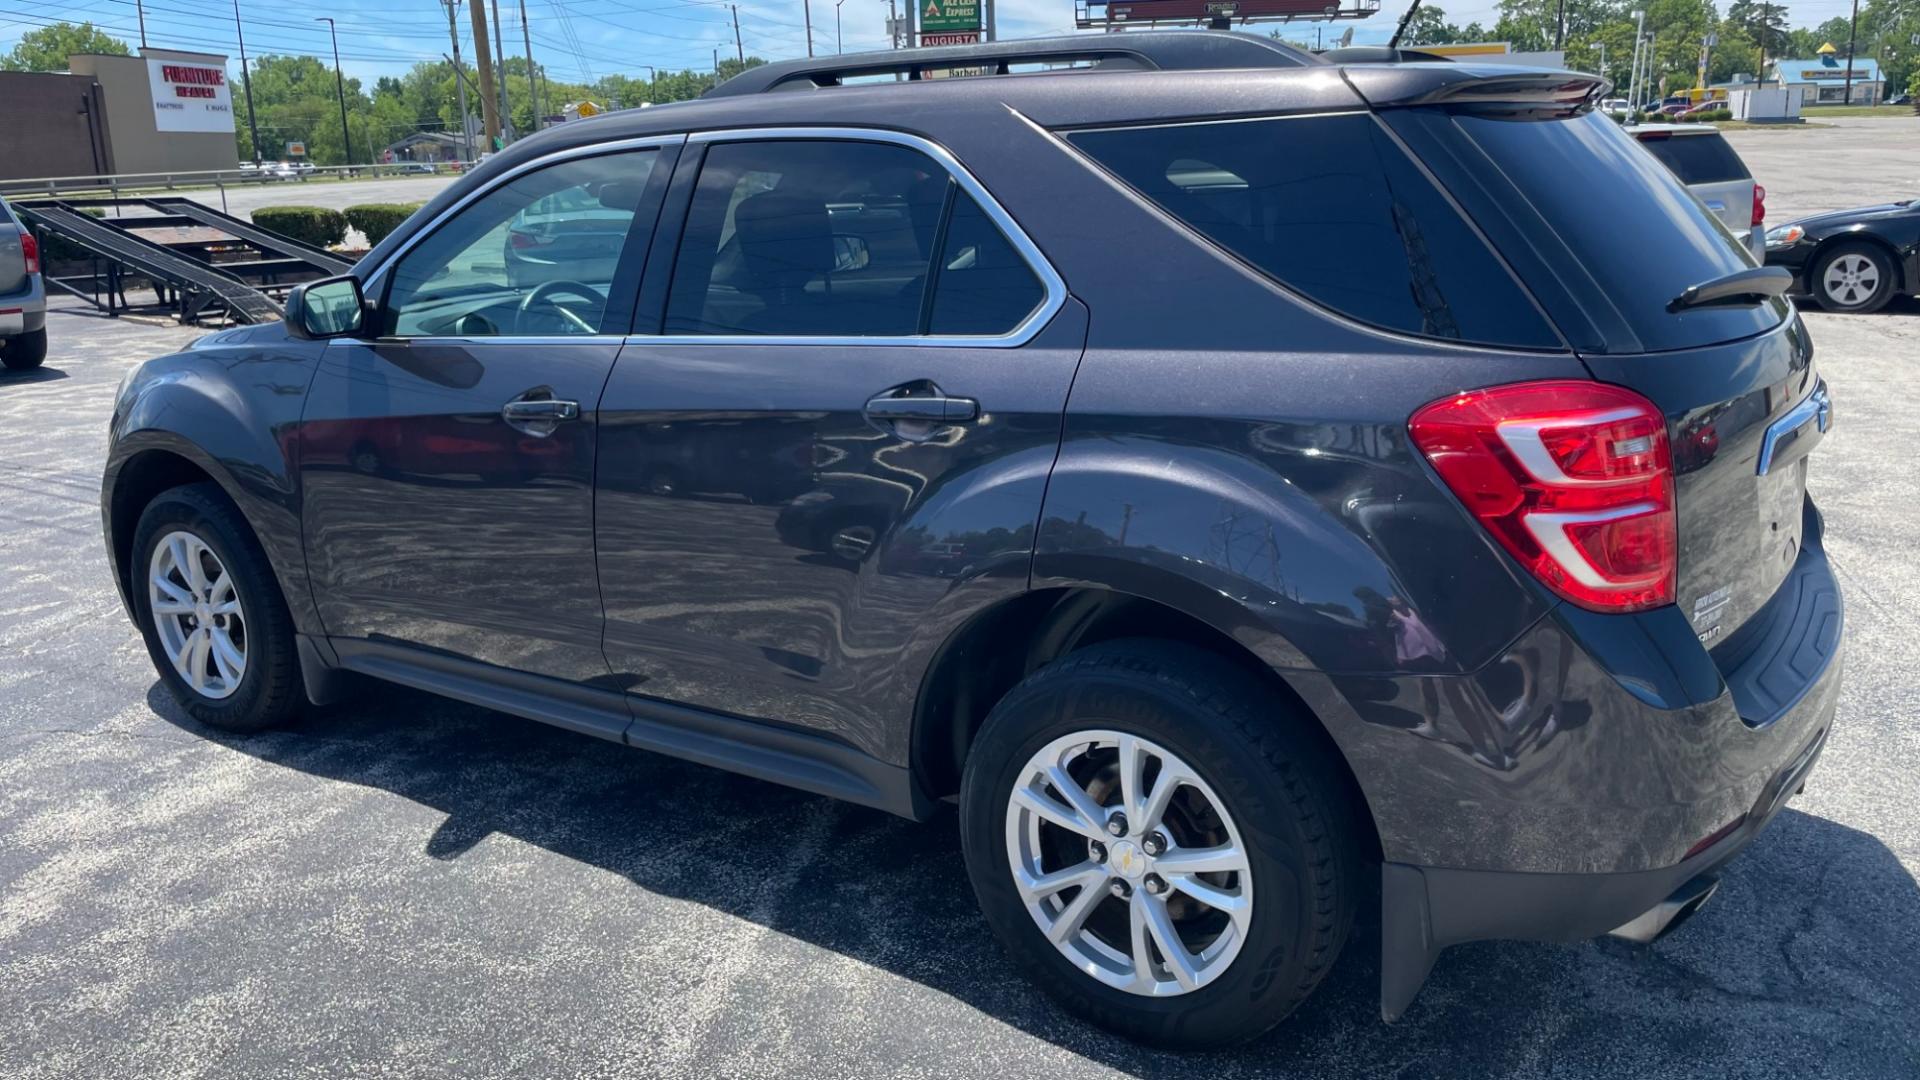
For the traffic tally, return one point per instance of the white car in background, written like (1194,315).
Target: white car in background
(1707,164)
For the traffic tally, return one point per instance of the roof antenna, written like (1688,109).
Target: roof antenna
(1394,41)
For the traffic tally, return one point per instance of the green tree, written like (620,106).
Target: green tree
(47,48)
(1429,26)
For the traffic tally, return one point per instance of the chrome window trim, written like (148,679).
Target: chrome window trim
(592,150)
(550,339)
(1050,280)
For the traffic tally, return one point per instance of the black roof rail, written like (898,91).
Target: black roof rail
(1140,50)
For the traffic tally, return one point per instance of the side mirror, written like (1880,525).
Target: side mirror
(331,307)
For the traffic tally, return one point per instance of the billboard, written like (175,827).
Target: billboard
(190,96)
(949,16)
(1152,11)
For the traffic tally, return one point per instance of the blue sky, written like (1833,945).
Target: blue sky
(579,40)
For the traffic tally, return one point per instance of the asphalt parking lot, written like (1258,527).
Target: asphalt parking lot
(411,887)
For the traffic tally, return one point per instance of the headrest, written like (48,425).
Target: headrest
(784,239)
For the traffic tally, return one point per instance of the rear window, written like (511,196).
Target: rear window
(1697,159)
(1330,207)
(1628,222)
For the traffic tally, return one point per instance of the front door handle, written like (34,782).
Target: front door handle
(932,409)
(538,417)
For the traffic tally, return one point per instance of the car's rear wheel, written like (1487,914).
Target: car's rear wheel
(24,352)
(1156,847)
(211,613)
(1853,278)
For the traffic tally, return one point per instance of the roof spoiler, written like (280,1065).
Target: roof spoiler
(1477,87)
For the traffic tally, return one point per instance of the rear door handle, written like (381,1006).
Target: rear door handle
(538,416)
(933,409)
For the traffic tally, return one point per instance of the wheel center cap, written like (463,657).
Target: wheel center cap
(1127,859)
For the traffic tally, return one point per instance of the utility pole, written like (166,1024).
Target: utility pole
(893,26)
(140,10)
(533,80)
(340,89)
(807,6)
(459,77)
(1853,28)
(739,51)
(246,84)
(989,15)
(1560,25)
(489,108)
(500,57)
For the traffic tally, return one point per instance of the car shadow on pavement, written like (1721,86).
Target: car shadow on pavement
(31,375)
(1807,962)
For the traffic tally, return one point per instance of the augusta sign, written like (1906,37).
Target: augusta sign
(949,16)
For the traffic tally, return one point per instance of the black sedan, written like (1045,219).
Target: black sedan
(1851,260)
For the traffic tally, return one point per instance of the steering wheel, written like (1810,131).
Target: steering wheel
(544,293)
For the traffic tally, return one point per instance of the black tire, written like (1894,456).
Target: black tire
(24,352)
(1867,300)
(1277,782)
(269,692)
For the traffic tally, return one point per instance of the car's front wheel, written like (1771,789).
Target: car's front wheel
(1157,845)
(211,612)
(1853,278)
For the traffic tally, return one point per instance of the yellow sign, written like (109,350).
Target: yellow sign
(588,108)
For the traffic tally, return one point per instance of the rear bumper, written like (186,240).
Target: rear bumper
(25,311)
(1595,777)
(1426,909)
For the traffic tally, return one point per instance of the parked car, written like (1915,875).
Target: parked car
(1702,108)
(415,167)
(1710,168)
(1216,581)
(1616,107)
(1852,260)
(23,296)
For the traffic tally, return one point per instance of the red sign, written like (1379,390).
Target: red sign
(193,82)
(969,37)
(1121,10)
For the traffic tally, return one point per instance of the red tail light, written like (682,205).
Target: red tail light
(521,241)
(1759,205)
(30,248)
(1575,479)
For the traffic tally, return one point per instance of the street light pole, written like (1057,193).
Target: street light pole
(533,77)
(340,89)
(807,6)
(837,50)
(653,76)
(246,84)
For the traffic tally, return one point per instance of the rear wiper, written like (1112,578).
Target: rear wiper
(1740,287)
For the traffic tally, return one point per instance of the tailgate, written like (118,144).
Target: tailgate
(1743,418)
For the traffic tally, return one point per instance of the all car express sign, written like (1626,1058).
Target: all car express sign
(946,16)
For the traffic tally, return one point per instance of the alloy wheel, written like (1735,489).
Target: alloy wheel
(196,610)
(1851,279)
(1129,863)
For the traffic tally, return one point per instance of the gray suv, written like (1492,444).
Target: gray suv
(23,296)
(1238,482)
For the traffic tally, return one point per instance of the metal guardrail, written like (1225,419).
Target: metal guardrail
(120,183)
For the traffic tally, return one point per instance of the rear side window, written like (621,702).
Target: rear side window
(1332,208)
(828,238)
(1627,221)
(1697,159)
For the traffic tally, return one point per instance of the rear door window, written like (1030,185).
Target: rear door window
(1332,208)
(841,238)
(1697,159)
(1628,223)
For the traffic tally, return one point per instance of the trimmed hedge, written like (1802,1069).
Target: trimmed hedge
(376,220)
(314,225)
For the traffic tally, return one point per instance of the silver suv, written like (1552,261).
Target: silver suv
(23,299)
(1704,161)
